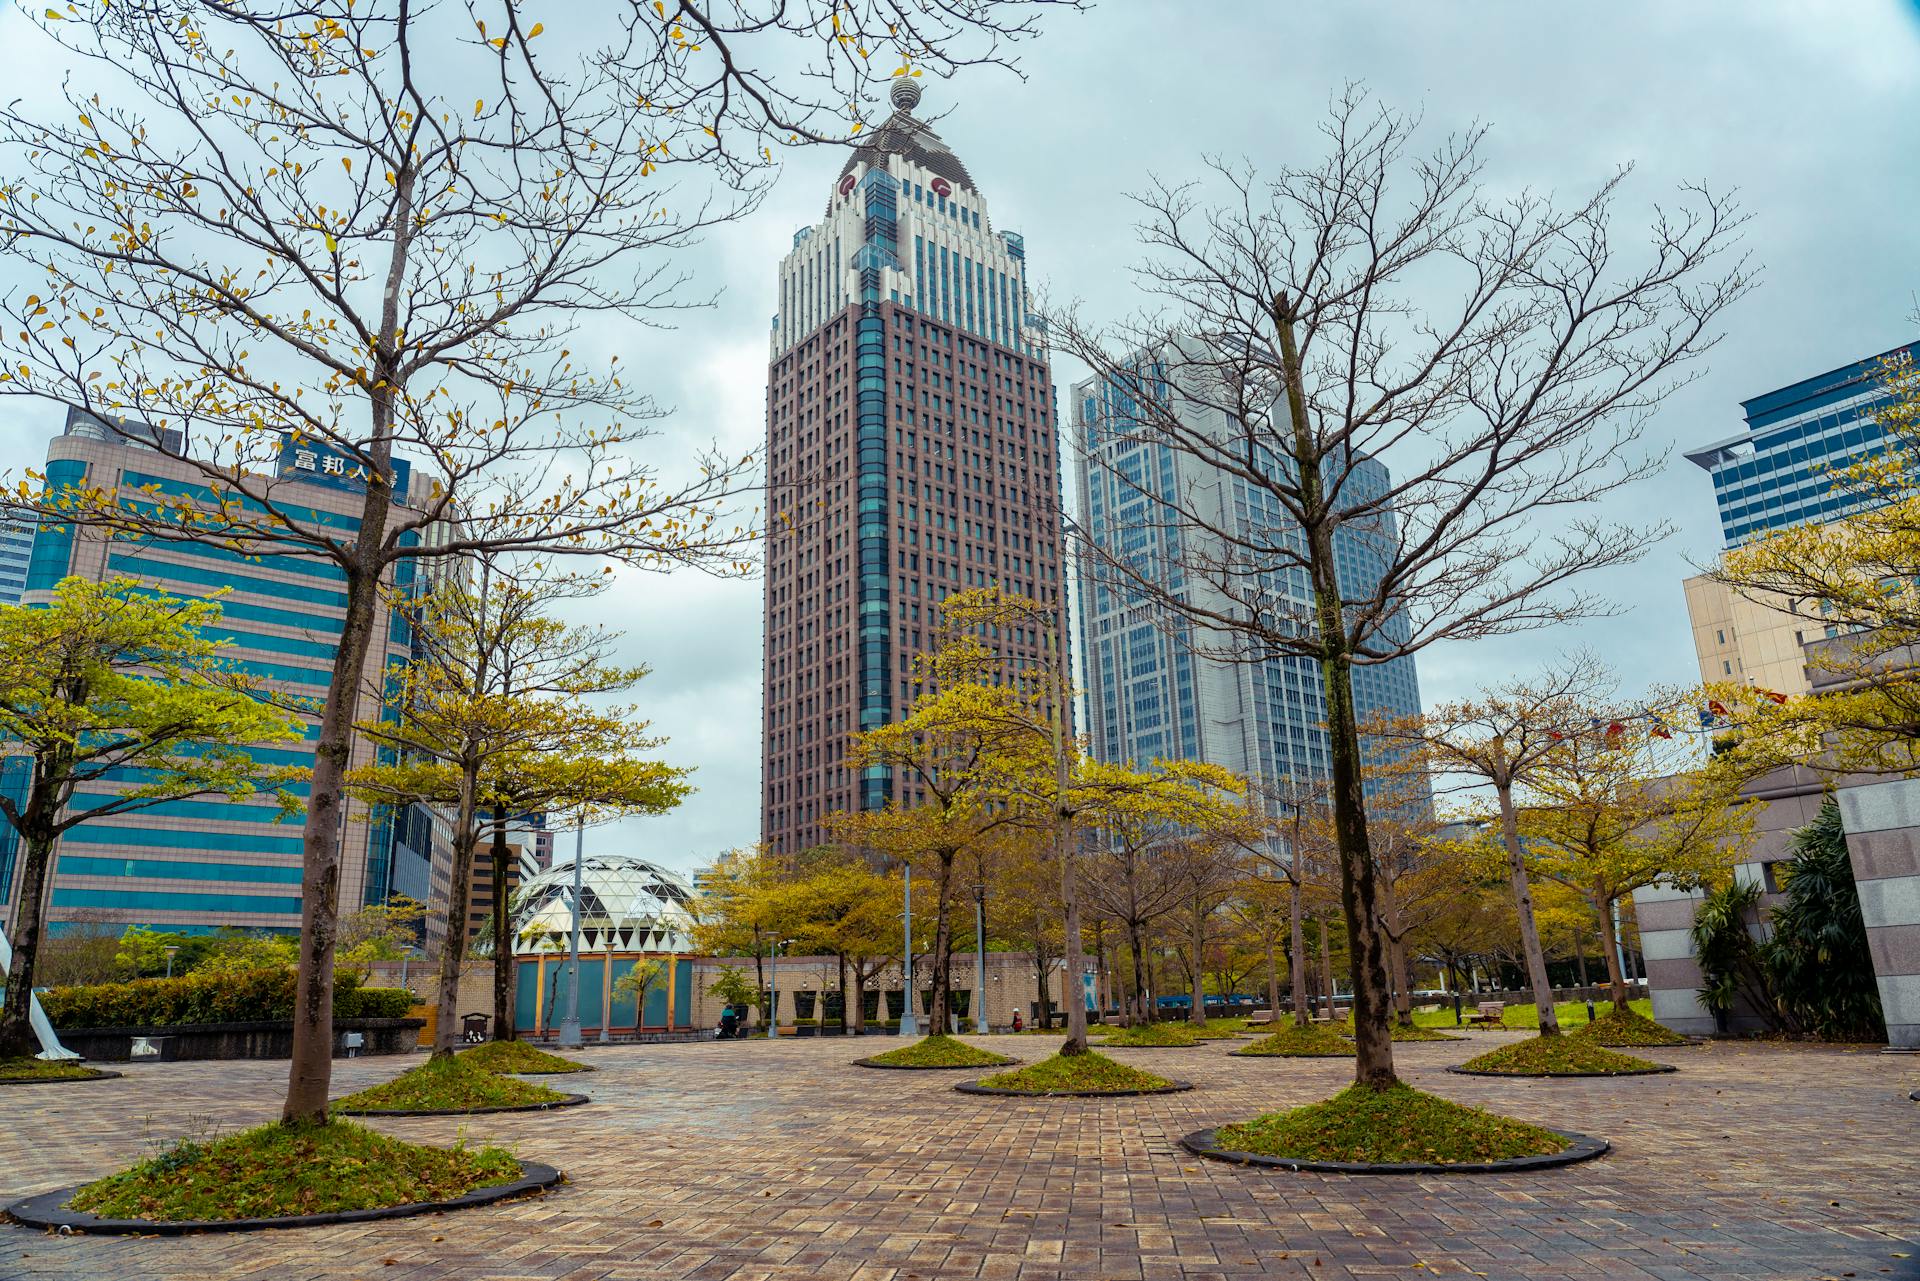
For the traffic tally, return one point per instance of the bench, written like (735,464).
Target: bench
(1493,1012)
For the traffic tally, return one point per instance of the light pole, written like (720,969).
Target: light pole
(570,1025)
(171,949)
(980,956)
(909,1025)
(773,986)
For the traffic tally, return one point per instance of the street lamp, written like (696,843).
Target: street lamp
(980,956)
(171,949)
(773,986)
(909,1025)
(570,1025)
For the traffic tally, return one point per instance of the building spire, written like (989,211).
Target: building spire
(905,93)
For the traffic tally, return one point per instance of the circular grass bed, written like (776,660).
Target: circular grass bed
(1393,1131)
(1295,1042)
(284,1175)
(517,1058)
(1077,1074)
(1406,1033)
(1557,1056)
(31,1071)
(448,1083)
(1629,1028)
(935,1053)
(1149,1035)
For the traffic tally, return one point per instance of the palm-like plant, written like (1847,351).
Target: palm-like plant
(1822,971)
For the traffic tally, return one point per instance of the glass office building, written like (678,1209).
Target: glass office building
(199,865)
(16,545)
(1149,695)
(1778,472)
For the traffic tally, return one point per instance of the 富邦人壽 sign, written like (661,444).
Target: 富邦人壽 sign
(310,460)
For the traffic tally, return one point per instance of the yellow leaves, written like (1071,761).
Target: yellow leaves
(346,162)
(53,15)
(479,105)
(332,245)
(536,29)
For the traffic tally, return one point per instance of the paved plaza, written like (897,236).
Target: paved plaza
(745,1161)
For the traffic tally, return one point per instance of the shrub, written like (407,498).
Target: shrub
(1822,971)
(210,996)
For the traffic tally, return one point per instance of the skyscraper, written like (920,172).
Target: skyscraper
(910,432)
(16,546)
(1778,473)
(198,865)
(1149,694)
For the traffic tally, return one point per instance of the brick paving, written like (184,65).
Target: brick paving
(748,1162)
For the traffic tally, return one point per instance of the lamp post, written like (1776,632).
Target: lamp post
(909,1025)
(570,1025)
(171,949)
(980,956)
(773,986)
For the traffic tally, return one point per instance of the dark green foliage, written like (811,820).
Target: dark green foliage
(447,1083)
(1557,1055)
(246,996)
(281,1170)
(1395,1125)
(1822,971)
(1730,959)
(939,1052)
(1066,1073)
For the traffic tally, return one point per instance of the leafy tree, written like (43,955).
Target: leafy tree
(1384,355)
(1731,962)
(1606,818)
(104,684)
(1822,970)
(371,229)
(379,932)
(492,713)
(733,988)
(638,982)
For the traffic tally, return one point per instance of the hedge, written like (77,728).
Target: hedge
(248,996)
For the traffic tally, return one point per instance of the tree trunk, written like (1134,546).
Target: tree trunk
(505,971)
(1076,1006)
(310,1066)
(1610,944)
(16,1033)
(1580,962)
(1198,1014)
(1523,899)
(1398,965)
(1326,970)
(942,960)
(453,947)
(843,991)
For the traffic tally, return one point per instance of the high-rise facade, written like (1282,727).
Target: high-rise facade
(1151,692)
(910,431)
(16,546)
(203,864)
(1778,473)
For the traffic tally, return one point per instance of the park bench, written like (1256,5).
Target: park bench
(1489,1012)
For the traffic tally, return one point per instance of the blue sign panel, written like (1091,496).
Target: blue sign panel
(321,464)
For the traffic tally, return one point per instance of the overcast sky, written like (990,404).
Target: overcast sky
(1808,108)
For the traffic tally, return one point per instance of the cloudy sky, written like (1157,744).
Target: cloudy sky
(1807,108)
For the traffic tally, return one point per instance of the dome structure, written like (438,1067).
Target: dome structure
(627,904)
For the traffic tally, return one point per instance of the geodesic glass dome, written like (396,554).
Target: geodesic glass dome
(626,905)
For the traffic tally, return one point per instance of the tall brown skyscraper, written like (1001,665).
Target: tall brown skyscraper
(910,431)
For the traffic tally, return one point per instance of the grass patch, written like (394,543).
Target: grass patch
(1570,1013)
(938,1052)
(519,1057)
(1088,1071)
(1541,1054)
(1386,1126)
(1294,1041)
(32,1069)
(1404,1032)
(1154,1034)
(279,1170)
(448,1083)
(1631,1027)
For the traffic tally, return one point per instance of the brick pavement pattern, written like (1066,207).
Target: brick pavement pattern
(743,1161)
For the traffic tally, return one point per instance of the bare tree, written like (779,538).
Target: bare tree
(1402,370)
(1134,878)
(340,237)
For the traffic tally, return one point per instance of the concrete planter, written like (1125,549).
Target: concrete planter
(268,1039)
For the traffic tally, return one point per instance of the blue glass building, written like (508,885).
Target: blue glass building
(16,545)
(1149,694)
(1777,473)
(203,864)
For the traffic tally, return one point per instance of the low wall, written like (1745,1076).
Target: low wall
(264,1040)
